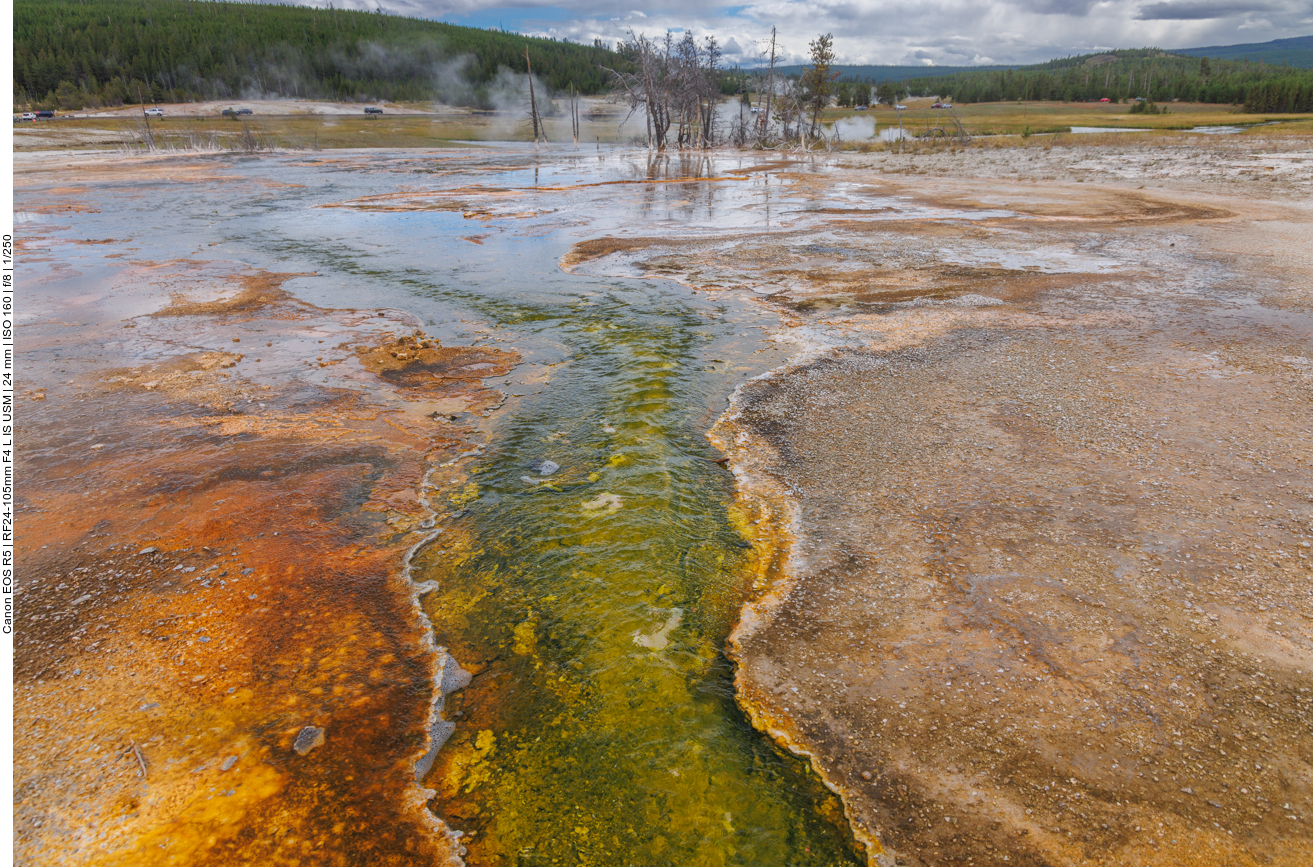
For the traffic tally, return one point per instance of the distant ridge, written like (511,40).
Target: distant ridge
(878,74)
(1297,51)
(1122,75)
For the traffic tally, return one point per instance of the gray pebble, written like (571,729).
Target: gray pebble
(309,738)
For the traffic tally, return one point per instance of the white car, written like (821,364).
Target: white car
(29,115)
(154,112)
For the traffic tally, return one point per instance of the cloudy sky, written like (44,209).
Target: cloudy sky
(930,32)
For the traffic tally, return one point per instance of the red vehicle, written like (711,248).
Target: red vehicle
(1105,99)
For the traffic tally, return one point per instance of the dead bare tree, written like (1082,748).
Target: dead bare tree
(763,120)
(534,117)
(574,115)
(675,85)
(789,110)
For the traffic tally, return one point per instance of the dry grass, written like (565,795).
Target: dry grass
(296,131)
(1014,118)
(994,125)
(254,133)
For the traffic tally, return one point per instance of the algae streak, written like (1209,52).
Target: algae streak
(592,604)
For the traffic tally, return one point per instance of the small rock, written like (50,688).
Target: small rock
(309,738)
(546,468)
(605,501)
(150,550)
(866,775)
(229,762)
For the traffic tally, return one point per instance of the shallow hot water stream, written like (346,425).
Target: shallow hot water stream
(594,604)
(591,602)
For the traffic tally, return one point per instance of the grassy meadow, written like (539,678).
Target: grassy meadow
(1015,118)
(994,123)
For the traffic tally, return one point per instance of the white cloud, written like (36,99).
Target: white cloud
(941,32)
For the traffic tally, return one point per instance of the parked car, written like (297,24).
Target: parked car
(901,107)
(1105,99)
(373,110)
(28,116)
(942,105)
(154,112)
(45,114)
(244,111)
(230,112)
(861,108)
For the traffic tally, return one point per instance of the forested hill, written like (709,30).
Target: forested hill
(1124,75)
(109,52)
(1297,51)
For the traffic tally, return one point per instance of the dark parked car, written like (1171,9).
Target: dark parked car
(244,111)
(373,110)
(45,114)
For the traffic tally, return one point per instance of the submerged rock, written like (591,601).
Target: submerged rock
(659,639)
(546,468)
(605,502)
(309,738)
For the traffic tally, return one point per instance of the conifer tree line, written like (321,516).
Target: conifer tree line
(75,53)
(1124,76)
(71,54)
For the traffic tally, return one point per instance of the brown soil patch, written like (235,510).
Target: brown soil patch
(424,369)
(261,289)
(597,248)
